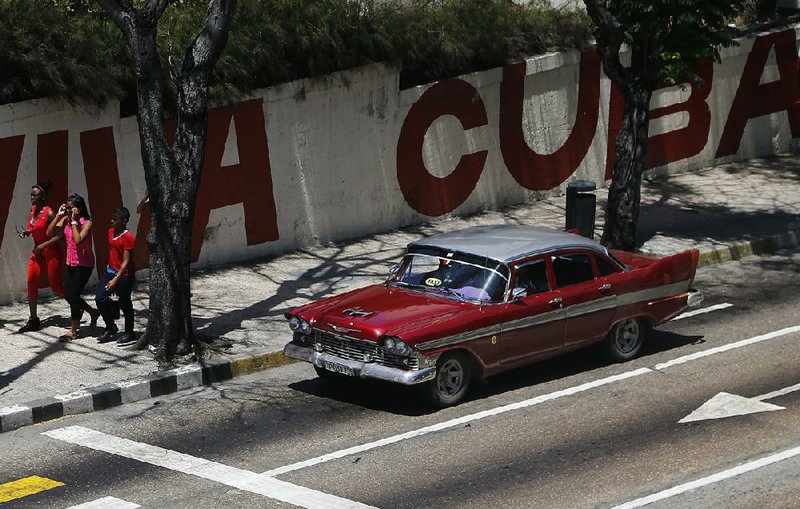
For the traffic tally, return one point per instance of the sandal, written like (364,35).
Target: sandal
(67,337)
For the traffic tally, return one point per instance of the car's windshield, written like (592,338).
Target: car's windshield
(452,277)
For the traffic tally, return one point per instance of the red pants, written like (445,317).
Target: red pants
(49,261)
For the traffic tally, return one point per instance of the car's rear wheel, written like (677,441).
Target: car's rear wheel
(626,339)
(453,373)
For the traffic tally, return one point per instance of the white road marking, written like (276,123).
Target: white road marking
(458,422)
(729,405)
(106,503)
(701,311)
(523,404)
(779,392)
(730,346)
(230,476)
(705,481)
(725,405)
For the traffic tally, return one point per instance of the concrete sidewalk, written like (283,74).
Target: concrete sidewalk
(726,212)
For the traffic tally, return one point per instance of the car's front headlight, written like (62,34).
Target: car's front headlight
(297,324)
(396,346)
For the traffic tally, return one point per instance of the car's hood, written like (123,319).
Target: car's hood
(380,310)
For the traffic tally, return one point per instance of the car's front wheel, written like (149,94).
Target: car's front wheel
(453,373)
(626,339)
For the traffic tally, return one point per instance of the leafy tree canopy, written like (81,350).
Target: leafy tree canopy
(675,35)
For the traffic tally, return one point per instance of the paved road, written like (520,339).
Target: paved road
(569,433)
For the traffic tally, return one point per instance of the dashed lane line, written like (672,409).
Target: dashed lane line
(729,346)
(230,476)
(106,503)
(715,478)
(458,422)
(25,487)
(701,311)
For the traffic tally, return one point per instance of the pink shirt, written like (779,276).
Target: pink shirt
(81,254)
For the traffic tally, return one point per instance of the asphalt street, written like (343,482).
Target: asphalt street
(574,432)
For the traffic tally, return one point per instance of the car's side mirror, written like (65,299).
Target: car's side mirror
(393,269)
(518,293)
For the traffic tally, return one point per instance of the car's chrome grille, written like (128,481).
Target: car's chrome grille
(356,350)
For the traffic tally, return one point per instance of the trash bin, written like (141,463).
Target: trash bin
(581,207)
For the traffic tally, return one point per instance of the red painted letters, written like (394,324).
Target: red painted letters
(540,172)
(249,182)
(426,193)
(674,145)
(754,99)
(10,157)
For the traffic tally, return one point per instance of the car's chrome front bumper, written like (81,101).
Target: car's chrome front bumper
(694,298)
(361,369)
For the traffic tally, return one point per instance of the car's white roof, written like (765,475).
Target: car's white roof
(507,243)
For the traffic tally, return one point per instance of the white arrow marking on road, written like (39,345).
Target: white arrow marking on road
(729,405)
(700,311)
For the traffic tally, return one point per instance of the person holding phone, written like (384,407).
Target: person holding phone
(46,256)
(74,220)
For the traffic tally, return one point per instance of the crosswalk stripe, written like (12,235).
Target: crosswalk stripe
(27,486)
(230,476)
(106,503)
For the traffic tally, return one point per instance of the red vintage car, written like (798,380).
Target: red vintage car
(475,302)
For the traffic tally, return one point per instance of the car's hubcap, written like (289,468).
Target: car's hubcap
(451,378)
(628,335)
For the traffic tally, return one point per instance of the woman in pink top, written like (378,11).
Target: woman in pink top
(74,218)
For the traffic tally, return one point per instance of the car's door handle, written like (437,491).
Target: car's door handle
(605,287)
(556,302)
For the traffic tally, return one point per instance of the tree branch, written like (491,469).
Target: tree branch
(155,8)
(202,54)
(609,38)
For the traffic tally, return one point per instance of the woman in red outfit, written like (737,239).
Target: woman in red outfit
(46,254)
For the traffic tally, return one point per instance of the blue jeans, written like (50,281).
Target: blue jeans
(123,292)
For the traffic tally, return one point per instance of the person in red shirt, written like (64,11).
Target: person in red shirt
(46,254)
(117,278)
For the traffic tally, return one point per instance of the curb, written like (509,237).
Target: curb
(128,391)
(217,370)
(739,250)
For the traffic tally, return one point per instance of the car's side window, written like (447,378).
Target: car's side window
(532,277)
(605,267)
(571,269)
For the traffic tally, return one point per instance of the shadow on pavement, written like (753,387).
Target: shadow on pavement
(397,399)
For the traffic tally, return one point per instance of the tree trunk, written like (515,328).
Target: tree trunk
(624,193)
(172,173)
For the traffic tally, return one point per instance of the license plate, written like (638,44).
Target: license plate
(338,368)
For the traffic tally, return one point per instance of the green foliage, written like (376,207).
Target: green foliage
(69,48)
(677,34)
(47,48)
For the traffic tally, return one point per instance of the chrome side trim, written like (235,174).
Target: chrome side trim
(521,323)
(584,308)
(361,369)
(653,293)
